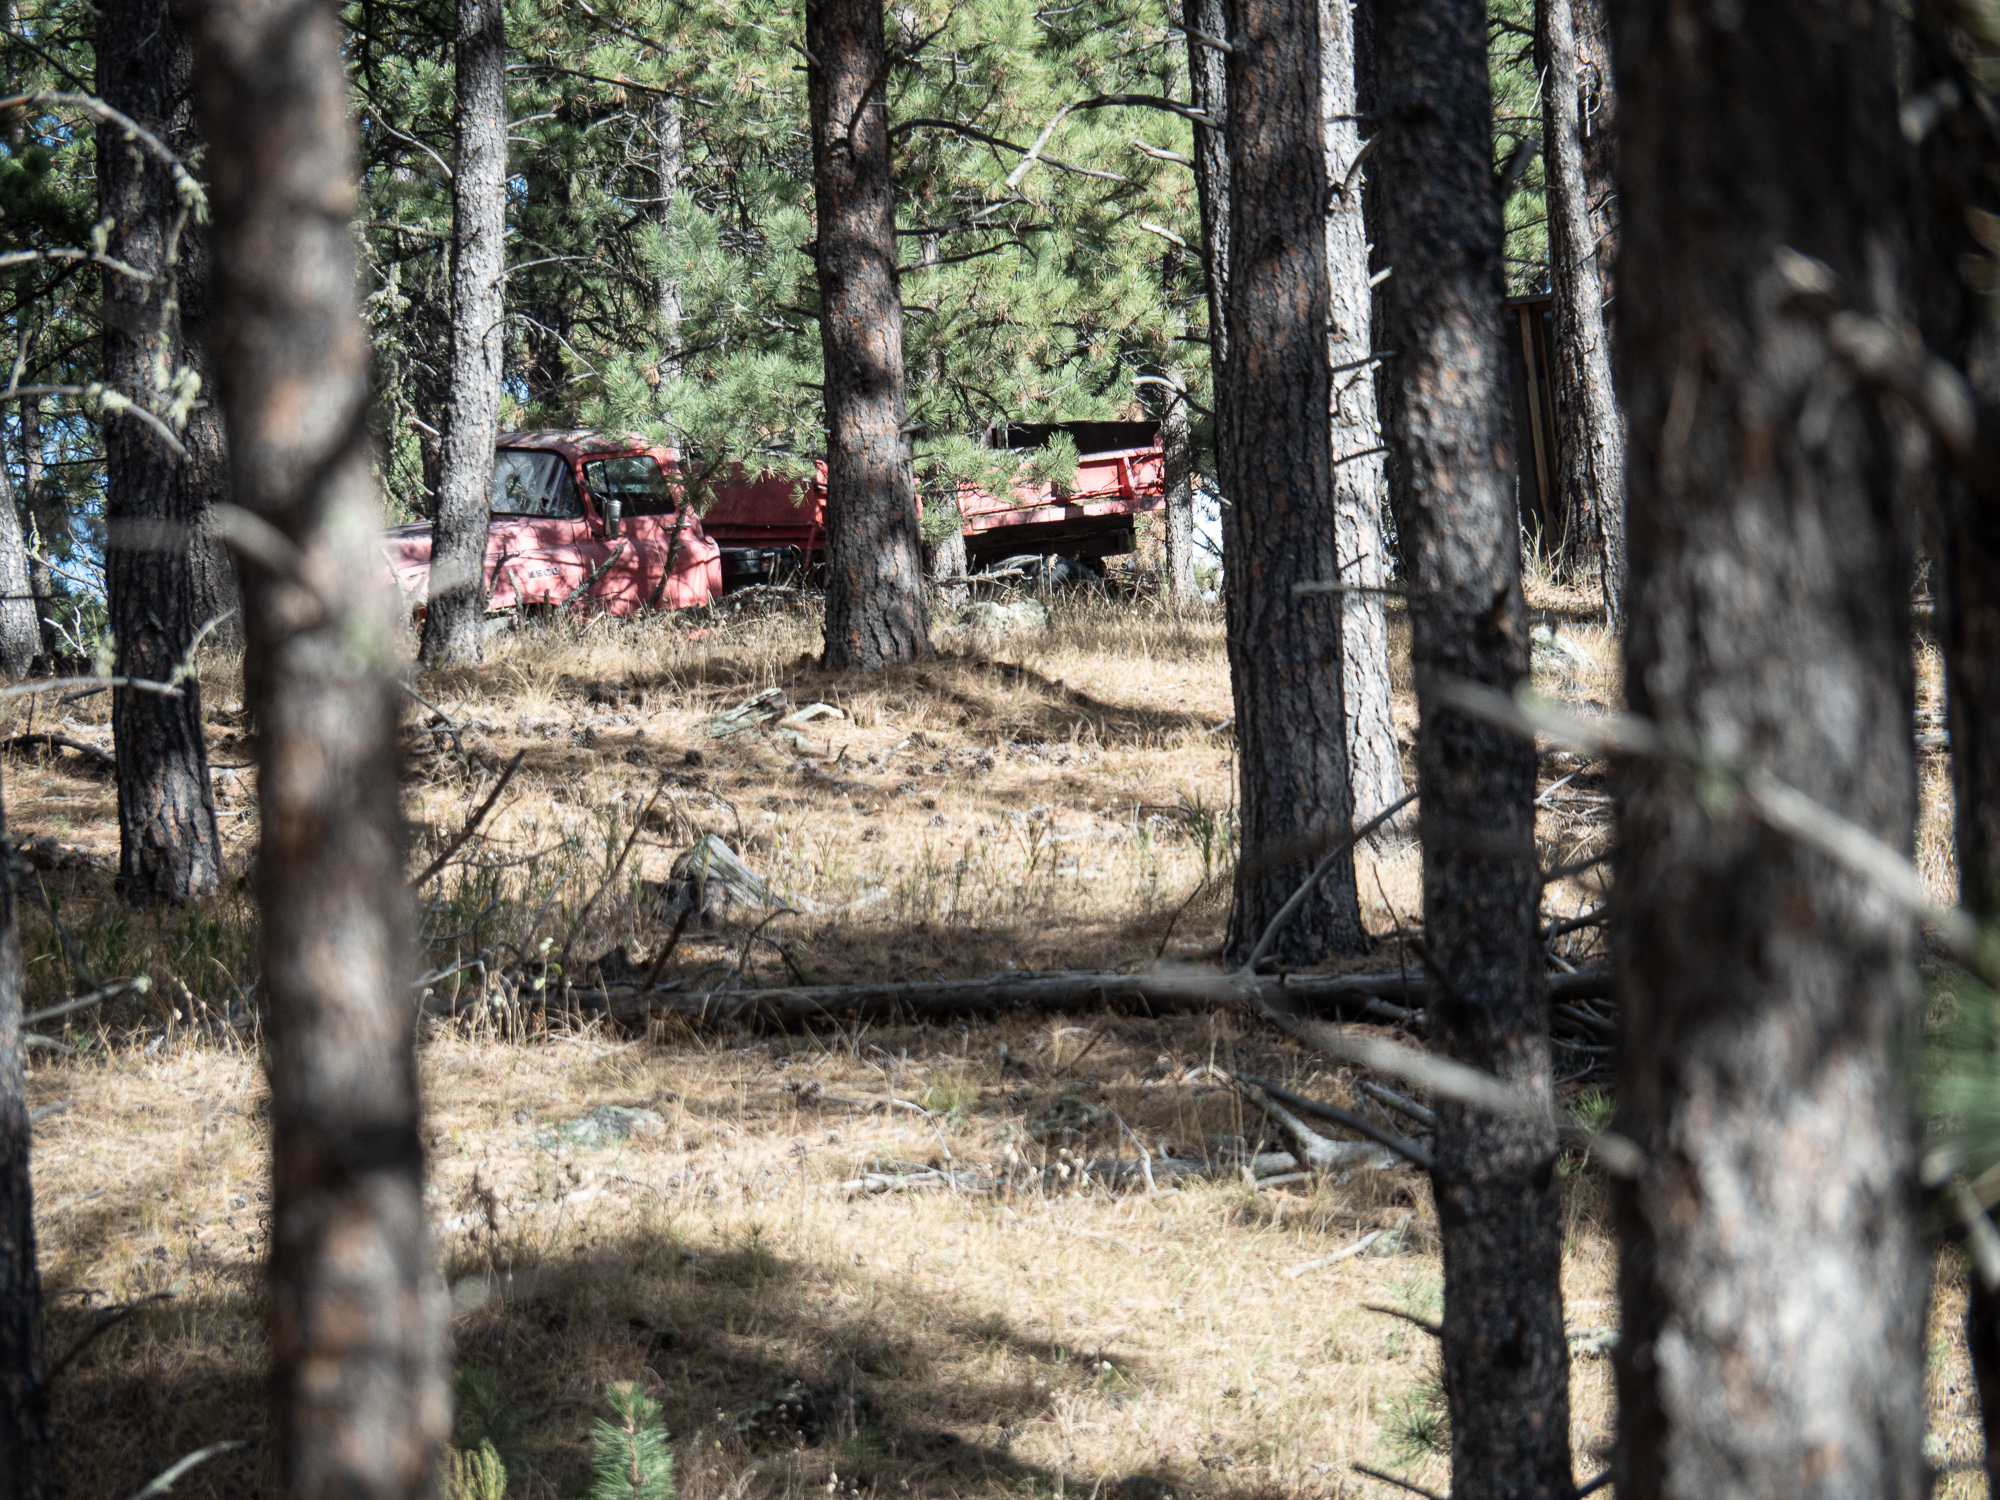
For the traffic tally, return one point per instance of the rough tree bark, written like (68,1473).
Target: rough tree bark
(1590,431)
(1772,1279)
(1177,482)
(1506,1365)
(24,1432)
(1955,188)
(360,1404)
(670,163)
(454,621)
(20,631)
(1208,87)
(876,614)
(1597,119)
(1375,763)
(155,500)
(47,520)
(1273,437)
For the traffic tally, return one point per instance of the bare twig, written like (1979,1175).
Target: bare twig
(48,1111)
(472,823)
(592,577)
(1401,1484)
(107,1320)
(1298,898)
(1411,1151)
(1396,1101)
(163,1482)
(638,824)
(96,755)
(94,684)
(139,982)
(1595,917)
(1778,806)
(1338,1256)
(100,398)
(1435,1330)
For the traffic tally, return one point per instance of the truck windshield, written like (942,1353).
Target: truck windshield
(635,479)
(527,482)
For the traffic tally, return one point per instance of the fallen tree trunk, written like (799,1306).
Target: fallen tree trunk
(1383,998)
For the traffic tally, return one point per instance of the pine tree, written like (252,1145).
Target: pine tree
(633,1460)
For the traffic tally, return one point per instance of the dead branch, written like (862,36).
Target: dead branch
(471,824)
(139,982)
(163,1482)
(1595,917)
(1401,1484)
(1781,808)
(107,1319)
(1334,1259)
(92,684)
(1298,898)
(638,824)
(1435,1330)
(592,577)
(1427,1118)
(1596,1025)
(1358,997)
(94,755)
(1315,1150)
(1411,1151)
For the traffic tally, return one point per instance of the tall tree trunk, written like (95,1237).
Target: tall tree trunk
(454,620)
(1590,432)
(20,634)
(154,500)
(671,162)
(1208,84)
(47,520)
(1956,190)
(1177,482)
(875,609)
(24,1435)
(1273,439)
(1506,1365)
(1375,763)
(360,1404)
(549,308)
(1772,1279)
(1597,118)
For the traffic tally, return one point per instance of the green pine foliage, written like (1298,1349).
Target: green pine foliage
(1033,291)
(1517,115)
(633,1460)
(474,1474)
(1958,1084)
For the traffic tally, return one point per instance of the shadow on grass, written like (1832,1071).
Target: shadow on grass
(774,1375)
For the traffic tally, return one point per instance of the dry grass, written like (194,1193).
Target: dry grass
(990,1345)
(1061,798)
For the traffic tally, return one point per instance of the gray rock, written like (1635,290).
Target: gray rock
(606,1125)
(1019,617)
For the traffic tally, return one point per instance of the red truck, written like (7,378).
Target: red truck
(768,529)
(579,515)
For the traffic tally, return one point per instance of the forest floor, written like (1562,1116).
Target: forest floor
(1059,798)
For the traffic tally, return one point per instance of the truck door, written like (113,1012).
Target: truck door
(539,544)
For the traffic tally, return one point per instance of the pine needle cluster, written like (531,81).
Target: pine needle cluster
(633,1460)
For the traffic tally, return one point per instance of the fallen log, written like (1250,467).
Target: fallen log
(1162,992)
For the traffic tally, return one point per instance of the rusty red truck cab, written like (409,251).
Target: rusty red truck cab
(581,517)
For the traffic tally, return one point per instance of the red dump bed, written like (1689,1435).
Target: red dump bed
(771,527)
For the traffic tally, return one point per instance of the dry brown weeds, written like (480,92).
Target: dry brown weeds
(1060,799)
